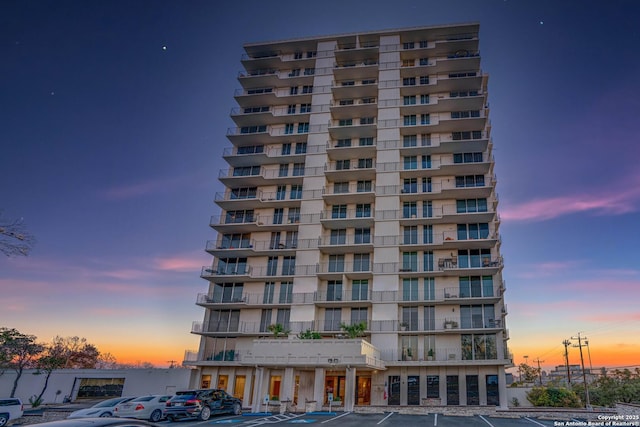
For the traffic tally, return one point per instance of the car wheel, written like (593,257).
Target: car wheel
(4,419)
(155,416)
(237,409)
(205,414)
(105,414)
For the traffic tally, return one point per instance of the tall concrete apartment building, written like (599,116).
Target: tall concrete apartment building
(359,191)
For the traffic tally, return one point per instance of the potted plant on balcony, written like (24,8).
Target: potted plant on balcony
(409,355)
(430,354)
(404,326)
(309,335)
(278,330)
(354,331)
(450,324)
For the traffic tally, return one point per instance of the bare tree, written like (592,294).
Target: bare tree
(14,237)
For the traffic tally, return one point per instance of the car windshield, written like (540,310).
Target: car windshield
(143,399)
(111,402)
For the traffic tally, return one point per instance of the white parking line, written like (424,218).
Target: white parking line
(534,421)
(435,420)
(335,418)
(382,420)
(486,421)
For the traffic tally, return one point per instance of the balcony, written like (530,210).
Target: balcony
(328,353)
(351,148)
(261,155)
(227,328)
(347,108)
(353,270)
(439,325)
(353,128)
(344,244)
(345,170)
(246,300)
(447,266)
(271,134)
(230,274)
(452,295)
(271,115)
(340,298)
(353,193)
(352,89)
(356,69)
(350,218)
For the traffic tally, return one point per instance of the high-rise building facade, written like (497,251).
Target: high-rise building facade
(357,256)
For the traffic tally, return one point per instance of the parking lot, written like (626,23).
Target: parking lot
(347,419)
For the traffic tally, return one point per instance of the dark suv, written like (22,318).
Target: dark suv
(201,404)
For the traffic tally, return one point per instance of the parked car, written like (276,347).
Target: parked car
(101,409)
(97,422)
(201,404)
(10,410)
(143,408)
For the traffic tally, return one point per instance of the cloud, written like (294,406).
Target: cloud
(615,199)
(181,263)
(546,269)
(145,188)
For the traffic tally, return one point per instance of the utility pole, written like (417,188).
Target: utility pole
(584,373)
(567,343)
(539,369)
(589,353)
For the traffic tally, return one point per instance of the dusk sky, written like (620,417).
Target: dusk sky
(113,117)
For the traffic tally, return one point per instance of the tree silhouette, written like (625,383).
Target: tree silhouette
(14,237)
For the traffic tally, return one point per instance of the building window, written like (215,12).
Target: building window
(295,72)
(227,292)
(361,262)
(427,209)
(284,170)
(340,187)
(424,80)
(410,318)
(291,109)
(309,71)
(473,390)
(424,61)
(338,211)
(368,141)
(474,258)
(475,286)
(409,261)
(410,185)
(296,192)
(394,390)
(293,215)
(424,99)
(410,289)
(409,81)
(470,181)
(477,316)
(453,390)
(267,297)
(408,45)
(282,317)
(288,265)
(288,128)
(362,236)
(467,158)
(410,100)
(224,321)
(478,347)
(265,320)
(272,266)
(301,147)
(338,237)
(493,391)
(298,169)
(409,210)
(343,143)
(425,119)
(429,288)
(364,186)
(473,231)
(360,290)
(293,90)
(358,315)
(286,149)
(303,127)
(433,387)
(305,108)
(277,215)
(365,163)
(332,319)
(336,263)
(367,120)
(429,318)
(409,140)
(471,205)
(343,165)
(307,89)
(286,291)
(281,192)
(334,290)
(427,234)
(410,235)
(363,210)
(410,162)
(345,122)
(409,120)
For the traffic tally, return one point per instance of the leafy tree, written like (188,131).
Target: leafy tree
(19,351)
(556,397)
(50,359)
(14,237)
(528,374)
(354,331)
(617,386)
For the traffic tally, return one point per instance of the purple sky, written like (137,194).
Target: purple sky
(114,116)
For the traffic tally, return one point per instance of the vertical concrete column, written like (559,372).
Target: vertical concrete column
(443,385)
(462,386)
(482,388)
(502,389)
(286,392)
(256,401)
(350,389)
(247,389)
(318,387)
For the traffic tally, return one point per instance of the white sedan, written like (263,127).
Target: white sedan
(144,408)
(102,409)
